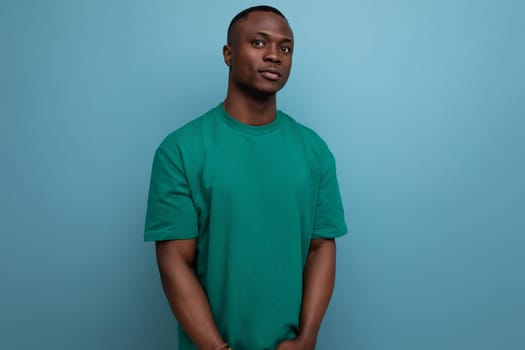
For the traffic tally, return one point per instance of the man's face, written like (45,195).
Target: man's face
(260,53)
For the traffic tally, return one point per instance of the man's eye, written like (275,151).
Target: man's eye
(285,49)
(257,43)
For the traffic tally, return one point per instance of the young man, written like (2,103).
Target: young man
(244,206)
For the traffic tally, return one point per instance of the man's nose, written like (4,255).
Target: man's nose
(272,54)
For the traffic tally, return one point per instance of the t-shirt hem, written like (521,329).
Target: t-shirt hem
(165,236)
(330,234)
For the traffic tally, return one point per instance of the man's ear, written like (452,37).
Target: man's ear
(227,53)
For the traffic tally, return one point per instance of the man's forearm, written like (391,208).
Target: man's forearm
(318,284)
(188,300)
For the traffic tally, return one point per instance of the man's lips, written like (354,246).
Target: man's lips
(270,73)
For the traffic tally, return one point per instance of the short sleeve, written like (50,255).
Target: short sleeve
(329,219)
(170,213)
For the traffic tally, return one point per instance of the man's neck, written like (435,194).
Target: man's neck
(251,110)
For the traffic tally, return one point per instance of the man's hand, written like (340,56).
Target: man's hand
(296,344)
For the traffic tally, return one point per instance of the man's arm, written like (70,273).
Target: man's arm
(184,292)
(318,284)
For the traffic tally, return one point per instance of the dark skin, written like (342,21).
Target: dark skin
(259,55)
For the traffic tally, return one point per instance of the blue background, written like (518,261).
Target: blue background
(422,102)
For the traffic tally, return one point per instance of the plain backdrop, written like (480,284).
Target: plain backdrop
(422,103)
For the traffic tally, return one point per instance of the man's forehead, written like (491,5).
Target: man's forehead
(264,21)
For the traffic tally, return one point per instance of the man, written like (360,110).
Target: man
(244,206)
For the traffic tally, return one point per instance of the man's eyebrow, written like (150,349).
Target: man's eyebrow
(267,36)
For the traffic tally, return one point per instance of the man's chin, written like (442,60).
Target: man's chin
(262,91)
(268,90)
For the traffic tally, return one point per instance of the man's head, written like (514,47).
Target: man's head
(259,50)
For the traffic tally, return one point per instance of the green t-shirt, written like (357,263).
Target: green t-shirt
(254,197)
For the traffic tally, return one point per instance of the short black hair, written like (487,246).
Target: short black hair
(245,13)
